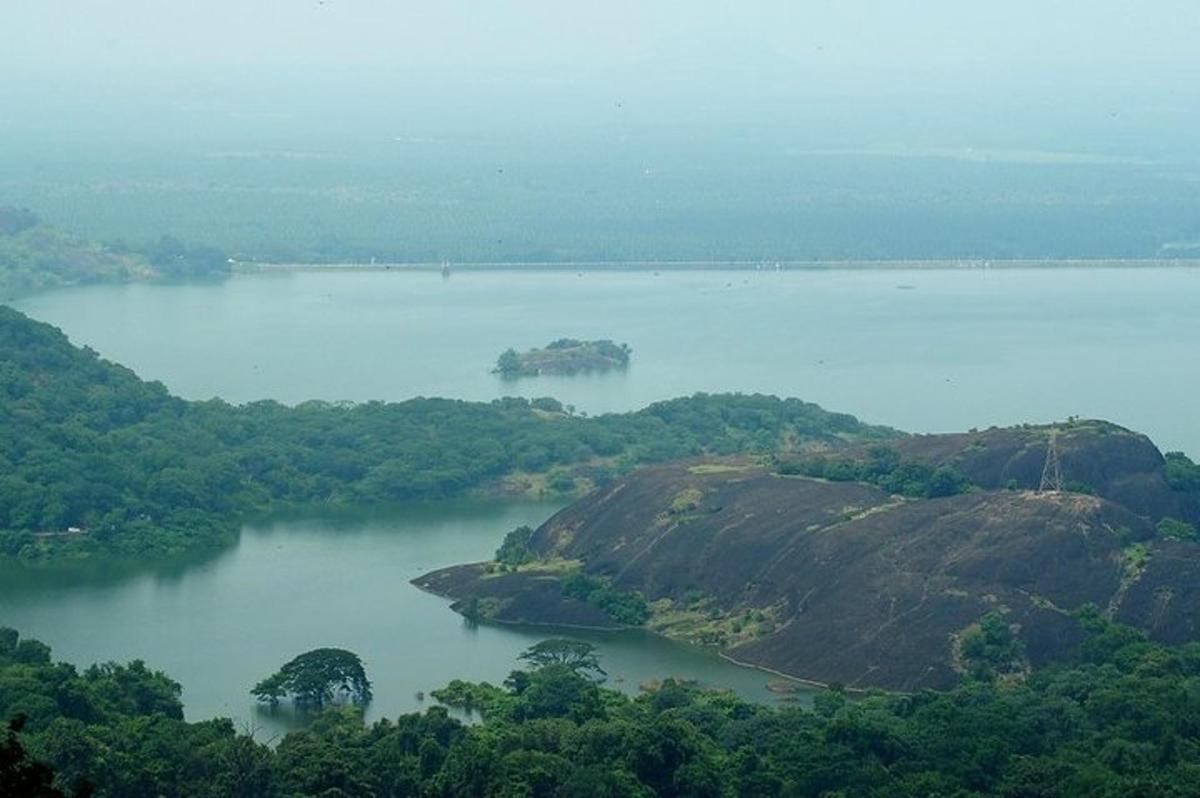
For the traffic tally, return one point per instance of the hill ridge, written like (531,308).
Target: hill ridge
(856,584)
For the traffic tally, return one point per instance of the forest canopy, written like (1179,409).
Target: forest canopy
(95,458)
(1122,717)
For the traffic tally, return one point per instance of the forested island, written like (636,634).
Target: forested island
(564,356)
(35,256)
(97,459)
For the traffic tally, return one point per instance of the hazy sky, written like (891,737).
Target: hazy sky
(1158,36)
(734,94)
(1045,64)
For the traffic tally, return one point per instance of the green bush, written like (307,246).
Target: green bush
(623,607)
(1182,473)
(1174,529)
(885,469)
(991,647)
(516,550)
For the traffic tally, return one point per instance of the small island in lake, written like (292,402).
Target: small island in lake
(564,356)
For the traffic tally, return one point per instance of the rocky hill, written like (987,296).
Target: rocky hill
(1095,457)
(844,581)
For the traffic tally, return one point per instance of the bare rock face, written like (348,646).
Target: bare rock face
(870,589)
(1165,599)
(1097,456)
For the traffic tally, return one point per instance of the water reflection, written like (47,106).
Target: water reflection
(219,621)
(954,349)
(20,580)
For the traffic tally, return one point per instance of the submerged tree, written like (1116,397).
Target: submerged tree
(316,678)
(509,362)
(574,655)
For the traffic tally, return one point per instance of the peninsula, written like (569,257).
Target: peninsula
(899,564)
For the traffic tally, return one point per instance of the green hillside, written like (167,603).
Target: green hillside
(97,459)
(35,256)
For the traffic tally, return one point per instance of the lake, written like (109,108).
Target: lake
(923,350)
(219,622)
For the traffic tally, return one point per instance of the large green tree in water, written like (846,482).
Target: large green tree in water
(317,678)
(576,656)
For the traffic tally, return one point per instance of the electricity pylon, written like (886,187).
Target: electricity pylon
(1052,480)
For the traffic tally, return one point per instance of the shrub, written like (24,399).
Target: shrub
(1174,529)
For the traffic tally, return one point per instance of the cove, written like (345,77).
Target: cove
(218,622)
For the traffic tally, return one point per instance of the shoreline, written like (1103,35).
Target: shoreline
(954,264)
(810,683)
(499,622)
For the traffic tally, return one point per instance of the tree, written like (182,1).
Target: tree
(556,691)
(575,655)
(992,647)
(509,362)
(1182,473)
(1174,529)
(624,607)
(947,481)
(515,548)
(174,258)
(14,220)
(18,774)
(316,678)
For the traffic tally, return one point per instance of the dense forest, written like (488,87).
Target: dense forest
(35,256)
(1121,718)
(95,458)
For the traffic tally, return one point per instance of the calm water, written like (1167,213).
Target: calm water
(219,624)
(921,350)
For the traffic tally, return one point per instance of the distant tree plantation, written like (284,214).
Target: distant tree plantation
(1120,718)
(543,196)
(96,459)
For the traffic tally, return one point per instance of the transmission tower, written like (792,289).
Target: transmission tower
(1052,480)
